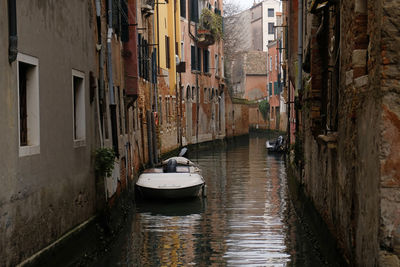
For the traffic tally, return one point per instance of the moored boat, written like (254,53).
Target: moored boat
(176,178)
(277,145)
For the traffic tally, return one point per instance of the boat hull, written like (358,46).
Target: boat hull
(168,193)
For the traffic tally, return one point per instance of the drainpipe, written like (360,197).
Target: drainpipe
(12,31)
(113,106)
(100,92)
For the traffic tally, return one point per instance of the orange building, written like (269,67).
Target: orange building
(274,88)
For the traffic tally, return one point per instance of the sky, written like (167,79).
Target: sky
(244,4)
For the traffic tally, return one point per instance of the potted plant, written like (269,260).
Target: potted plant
(210,28)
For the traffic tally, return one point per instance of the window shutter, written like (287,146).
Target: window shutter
(198,58)
(193,57)
(183,8)
(167,52)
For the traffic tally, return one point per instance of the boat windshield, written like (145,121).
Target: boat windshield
(182,169)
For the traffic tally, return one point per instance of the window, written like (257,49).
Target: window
(143,55)
(79,122)
(183,8)
(276,88)
(194,10)
(120,104)
(167,52)
(270,88)
(271,12)
(216,64)
(188,95)
(271,28)
(270,63)
(205,95)
(28,105)
(160,113)
(195,65)
(198,58)
(193,57)
(222,67)
(206,61)
(167,109)
(193,93)
(173,110)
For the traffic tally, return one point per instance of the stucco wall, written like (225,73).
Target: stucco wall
(44,195)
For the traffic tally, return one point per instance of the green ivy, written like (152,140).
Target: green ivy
(104,161)
(212,22)
(263,107)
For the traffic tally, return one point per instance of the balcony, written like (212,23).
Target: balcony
(205,38)
(210,28)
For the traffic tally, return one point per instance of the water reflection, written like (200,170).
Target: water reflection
(246,220)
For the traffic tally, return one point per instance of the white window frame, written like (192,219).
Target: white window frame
(80,131)
(33,103)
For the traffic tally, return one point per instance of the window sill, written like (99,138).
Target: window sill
(207,74)
(29,150)
(195,72)
(79,143)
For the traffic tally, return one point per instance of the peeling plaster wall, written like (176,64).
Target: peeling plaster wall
(390,126)
(354,181)
(44,195)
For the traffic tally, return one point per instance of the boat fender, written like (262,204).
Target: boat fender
(204,191)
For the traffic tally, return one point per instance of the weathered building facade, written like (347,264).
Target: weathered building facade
(47,122)
(202,82)
(348,101)
(93,75)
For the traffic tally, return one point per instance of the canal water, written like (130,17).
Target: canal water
(247,219)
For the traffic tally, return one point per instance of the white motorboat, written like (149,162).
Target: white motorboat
(177,177)
(277,145)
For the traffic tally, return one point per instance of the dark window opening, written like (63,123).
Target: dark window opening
(206,67)
(271,28)
(194,10)
(23,112)
(271,12)
(167,53)
(183,8)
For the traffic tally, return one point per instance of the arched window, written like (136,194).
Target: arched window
(188,93)
(193,92)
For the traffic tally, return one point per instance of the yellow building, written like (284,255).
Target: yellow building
(167,22)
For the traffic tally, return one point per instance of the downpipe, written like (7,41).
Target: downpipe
(12,31)
(113,106)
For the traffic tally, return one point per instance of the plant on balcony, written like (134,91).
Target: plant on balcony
(210,23)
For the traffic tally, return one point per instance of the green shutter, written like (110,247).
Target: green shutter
(270,88)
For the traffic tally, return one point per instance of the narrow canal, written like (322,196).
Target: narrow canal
(247,219)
